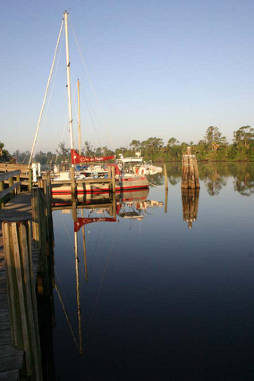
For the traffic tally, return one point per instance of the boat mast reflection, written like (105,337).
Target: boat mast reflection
(126,205)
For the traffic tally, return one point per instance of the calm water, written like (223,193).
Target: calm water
(172,289)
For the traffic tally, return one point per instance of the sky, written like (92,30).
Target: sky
(164,68)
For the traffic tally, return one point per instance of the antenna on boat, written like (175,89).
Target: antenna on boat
(68,76)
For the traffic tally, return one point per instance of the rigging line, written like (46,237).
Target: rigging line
(66,316)
(45,95)
(92,118)
(86,70)
(84,64)
(51,91)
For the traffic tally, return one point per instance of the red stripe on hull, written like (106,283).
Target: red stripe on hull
(118,189)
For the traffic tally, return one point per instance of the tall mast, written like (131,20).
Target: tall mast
(79,130)
(68,76)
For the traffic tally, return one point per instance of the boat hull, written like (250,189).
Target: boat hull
(122,184)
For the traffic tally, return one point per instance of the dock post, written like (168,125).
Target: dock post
(10,185)
(40,182)
(1,189)
(190,176)
(19,186)
(35,218)
(110,177)
(113,179)
(49,208)
(21,293)
(73,183)
(30,179)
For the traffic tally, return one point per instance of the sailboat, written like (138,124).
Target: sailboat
(60,185)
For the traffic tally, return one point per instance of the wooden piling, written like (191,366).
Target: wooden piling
(49,208)
(1,189)
(22,300)
(113,179)
(40,182)
(73,182)
(35,218)
(10,185)
(18,189)
(190,176)
(30,179)
(43,236)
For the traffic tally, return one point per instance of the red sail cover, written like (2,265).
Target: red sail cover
(84,221)
(77,159)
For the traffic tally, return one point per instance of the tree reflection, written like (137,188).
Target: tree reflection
(214,176)
(244,180)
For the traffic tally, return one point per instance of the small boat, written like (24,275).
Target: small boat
(137,165)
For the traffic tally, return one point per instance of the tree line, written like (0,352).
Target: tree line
(213,147)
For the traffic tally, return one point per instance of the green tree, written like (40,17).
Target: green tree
(88,149)
(63,153)
(4,154)
(244,136)
(135,145)
(214,138)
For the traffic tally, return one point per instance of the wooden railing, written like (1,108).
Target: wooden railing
(25,174)
(9,178)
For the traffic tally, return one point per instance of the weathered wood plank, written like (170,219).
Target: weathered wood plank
(9,190)
(7,175)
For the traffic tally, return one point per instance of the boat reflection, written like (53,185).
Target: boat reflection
(95,209)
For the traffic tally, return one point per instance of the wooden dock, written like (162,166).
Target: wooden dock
(11,358)
(26,245)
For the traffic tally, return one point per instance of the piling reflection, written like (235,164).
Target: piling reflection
(190,198)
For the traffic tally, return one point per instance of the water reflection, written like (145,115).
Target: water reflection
(156,295)
(214,176)
(98,209)
(190,199)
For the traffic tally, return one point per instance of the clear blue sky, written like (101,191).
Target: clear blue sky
(147,68)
